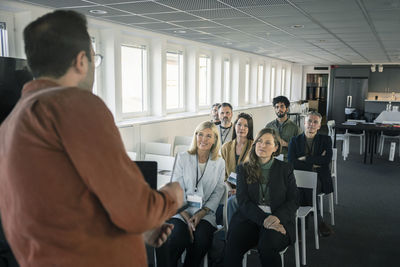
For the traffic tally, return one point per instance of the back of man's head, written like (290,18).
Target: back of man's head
(281,99)
(54,40)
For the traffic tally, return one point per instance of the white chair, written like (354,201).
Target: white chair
(382,141)
(331,207)
(279,157)
(162,180)
(165,164)
(339,137)
(132,155)
(157,148)
(281,253)
(334,174)
(305,179)
(183,140)
(360,135)
(180,148)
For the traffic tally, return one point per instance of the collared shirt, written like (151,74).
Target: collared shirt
(286,131)
(225,133)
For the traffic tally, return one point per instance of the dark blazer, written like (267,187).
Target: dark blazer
(297,147)
(283,196)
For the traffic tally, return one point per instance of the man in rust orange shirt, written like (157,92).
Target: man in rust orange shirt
(69,194)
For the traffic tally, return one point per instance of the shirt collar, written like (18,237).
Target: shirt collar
(38,85)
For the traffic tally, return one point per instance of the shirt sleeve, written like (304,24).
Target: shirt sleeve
(93,144)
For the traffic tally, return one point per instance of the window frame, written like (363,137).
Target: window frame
(273,82)
(227,91)
(136,43)
(182,89)
(247,83)
(209,82)
(260,99)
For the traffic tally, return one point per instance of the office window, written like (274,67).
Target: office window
(247,84)
(134,78)
(283,82)
(174,78)
(227,85)
(95,89)
(204,81)
(3,40)
(272,83)
(260,84)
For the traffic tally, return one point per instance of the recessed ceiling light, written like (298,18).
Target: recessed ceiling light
(297,26)
(321,41)
(228,43)
(180,31)
(98,12)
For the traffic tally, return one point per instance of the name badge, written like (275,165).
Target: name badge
(265,208)
(232,178)
(194,201)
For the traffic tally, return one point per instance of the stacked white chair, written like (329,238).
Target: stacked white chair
(157,148)
(334,174)
(360,135)
(132,155)
(182,143)
(305,179)
(165,165)
(339,137)
(382,141)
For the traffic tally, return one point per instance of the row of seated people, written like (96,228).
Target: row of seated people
(262,208)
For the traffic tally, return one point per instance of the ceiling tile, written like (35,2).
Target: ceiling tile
(186,5)
(143,7)
(173,16)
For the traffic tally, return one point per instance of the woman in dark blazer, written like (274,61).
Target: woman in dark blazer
(268,200)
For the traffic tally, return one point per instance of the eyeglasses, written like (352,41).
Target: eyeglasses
(97,60)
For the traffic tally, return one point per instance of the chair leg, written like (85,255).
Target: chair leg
(282,260)
(244,262)
(361,144)
(321,205)
(331,207)
(296,245)
(382,144)
(205,260)
(303,240)
(335,188)
(316,230)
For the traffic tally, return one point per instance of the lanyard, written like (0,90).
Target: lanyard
(197,171)
(264,191)
(226,136)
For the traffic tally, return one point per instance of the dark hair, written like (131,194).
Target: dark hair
(249,123)
(225,104)
(252,166)
(216,105)
(54,40)
(281,99)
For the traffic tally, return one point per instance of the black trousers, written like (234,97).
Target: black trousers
(244,235)
(179,240)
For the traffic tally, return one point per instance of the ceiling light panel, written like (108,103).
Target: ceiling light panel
(157,26)
(187,5)
(271,11)
(198,24)
(130,19)
(173,16)
(248,3)
(219,13)
(143,7)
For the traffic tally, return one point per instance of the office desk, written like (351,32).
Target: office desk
(371,135)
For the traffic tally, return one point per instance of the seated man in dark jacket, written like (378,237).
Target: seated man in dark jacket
(311,151)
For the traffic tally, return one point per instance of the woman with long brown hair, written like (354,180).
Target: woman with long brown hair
(268,199)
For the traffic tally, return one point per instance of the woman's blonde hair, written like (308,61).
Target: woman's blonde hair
(214,151)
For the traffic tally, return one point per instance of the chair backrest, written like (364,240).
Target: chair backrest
(183,140)
(162,180)
(157,148)
(279,157)
(334,162)
(132,155)
(164,163)
(306,179)
(180,148)
(330,125)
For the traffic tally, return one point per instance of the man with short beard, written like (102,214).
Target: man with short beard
(214,113)
(225,128)
(283,125)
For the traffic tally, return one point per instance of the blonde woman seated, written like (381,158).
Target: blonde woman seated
(236,152)
(200,172)
(268,199)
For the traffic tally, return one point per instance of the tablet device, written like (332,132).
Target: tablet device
(149,171)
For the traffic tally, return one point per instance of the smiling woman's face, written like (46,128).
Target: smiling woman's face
(205,139)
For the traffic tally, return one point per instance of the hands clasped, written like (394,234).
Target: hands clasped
(193,221)
(273,222)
